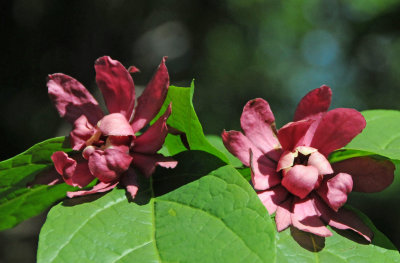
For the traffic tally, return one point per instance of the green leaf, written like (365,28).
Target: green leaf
(17,202)
(184,119)
(380,137)
(217,217)
(344,246)
(216,141)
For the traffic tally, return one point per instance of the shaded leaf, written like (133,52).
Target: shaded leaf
(216,141)
(205,220)
(17,202)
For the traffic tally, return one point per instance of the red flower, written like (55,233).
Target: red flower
(110,149)
(290,169)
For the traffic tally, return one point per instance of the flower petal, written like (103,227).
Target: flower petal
(344,219)
(74,172)
(286,160)
(306,218)
(291,135)
(369,175)
(300,180)
(316,101)
(263,172)
(115,124)
(72,99)
(153,138)
(273,197)
(130,181)
(334,191)
(147,163)
(116,85)
(319,161)
(316,119)
(283,215)
(258,124)
(239,145)
(98,188)
(336,129)
(81,132)
(152,98)
(108,165)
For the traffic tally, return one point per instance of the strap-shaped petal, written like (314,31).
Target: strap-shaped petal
(239,145)
(343,219)
(72,99)
(98,188)
(369,175)
(316,101)
(334,191)
(116,85)
(152,98)
(306,218)
(263,172)
(292,134)
(283,215)
(153,138)
(258,124)
(336,129)
(74,172)
(273,197)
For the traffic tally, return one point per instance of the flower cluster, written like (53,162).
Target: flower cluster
(289,167)
(290,170)
(108,146)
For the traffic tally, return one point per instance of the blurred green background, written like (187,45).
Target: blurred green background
(235,49)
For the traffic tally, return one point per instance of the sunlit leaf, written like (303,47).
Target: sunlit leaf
(380,137)
(214,216)
(184,119)
(343,247)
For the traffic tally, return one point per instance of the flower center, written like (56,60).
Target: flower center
(303,170)
(301,159)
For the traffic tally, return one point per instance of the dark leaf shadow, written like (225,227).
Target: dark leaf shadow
(192,165)
(307,240)
(353,236)
(82,199)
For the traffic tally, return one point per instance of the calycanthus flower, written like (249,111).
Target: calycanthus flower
(107,145)
(290,170)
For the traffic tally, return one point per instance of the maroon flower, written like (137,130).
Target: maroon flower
(290,170)
(110,149)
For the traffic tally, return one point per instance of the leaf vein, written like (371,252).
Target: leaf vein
(219,219)
(121,199)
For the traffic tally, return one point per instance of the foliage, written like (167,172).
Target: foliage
(203,210)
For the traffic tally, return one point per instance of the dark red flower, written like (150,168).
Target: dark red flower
(110,149)
(290,170)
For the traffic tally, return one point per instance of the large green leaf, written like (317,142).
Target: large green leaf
(380,137)
(184,119)
(343,247)
(215,216)
(17,202)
